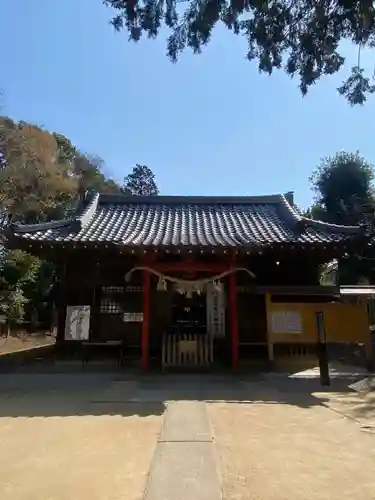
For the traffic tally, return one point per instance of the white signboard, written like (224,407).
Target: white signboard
(133,317)
(215,310)
(286,322)
(77,323)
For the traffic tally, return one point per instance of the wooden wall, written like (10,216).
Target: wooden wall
(87,274)
(343,321)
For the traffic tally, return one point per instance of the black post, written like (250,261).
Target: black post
(322,349)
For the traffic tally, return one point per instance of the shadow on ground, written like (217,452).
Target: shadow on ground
(99,394)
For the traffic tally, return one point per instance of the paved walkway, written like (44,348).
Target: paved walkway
(184,466)
(98,437)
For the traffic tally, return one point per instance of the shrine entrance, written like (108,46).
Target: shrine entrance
(189,312)
(188,343)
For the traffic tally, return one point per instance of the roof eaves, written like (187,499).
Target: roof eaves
(43,226)
(78,222)
(292,212)
(333,228)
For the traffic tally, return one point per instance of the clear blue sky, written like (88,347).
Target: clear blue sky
(208,125)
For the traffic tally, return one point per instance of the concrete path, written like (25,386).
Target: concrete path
(184,465)
(100,437)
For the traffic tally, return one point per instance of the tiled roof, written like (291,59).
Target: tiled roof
(187,221)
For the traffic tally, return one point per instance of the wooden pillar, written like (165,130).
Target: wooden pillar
(233,319)
(271,355)
(146,320)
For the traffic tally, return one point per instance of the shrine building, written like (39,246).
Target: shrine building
(187,281)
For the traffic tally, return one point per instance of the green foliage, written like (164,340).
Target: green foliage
(18,270)
(12,305)
(343,188)
(141,181)
(306,213)
(38,288)
(19,267)
(344,195)
(43,176)
(303,38)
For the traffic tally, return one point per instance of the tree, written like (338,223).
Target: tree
(38,291)
(343,189)
(88,169)
(141,181)
(43,175)
(344,195)
(32,180)
(302,37)
(17,270)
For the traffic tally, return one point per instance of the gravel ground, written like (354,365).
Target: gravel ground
(286,447)
(93,436)
(75,443)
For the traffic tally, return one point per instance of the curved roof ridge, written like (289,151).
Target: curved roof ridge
(88,212)
(317,224)
(128,199)
(41,226)
(81,219)
(289,209)
(336,228)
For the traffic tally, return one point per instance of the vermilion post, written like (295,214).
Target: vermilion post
(233,318)
(146,320)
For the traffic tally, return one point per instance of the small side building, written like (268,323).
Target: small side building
(198,280)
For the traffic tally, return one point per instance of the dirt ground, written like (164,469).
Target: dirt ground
(286,448)
(24,340)
(74,439)
(93,436)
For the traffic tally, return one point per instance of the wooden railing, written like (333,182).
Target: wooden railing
(187,350)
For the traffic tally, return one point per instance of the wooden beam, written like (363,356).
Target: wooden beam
(189,265)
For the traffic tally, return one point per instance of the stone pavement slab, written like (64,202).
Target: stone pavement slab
(184,465)
(183,471)
(186,421)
